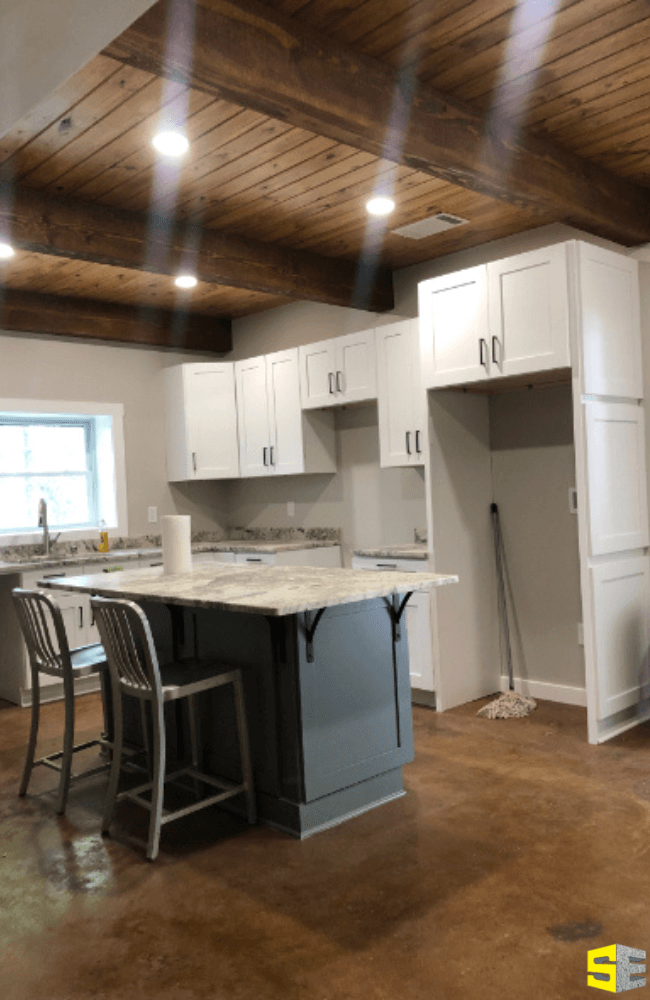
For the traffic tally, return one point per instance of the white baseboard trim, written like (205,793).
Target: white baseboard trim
(548,692)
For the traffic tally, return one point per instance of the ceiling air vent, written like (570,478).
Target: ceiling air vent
(438,223)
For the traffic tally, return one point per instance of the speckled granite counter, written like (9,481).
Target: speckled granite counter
(414,550)
(55,561)
(267,590)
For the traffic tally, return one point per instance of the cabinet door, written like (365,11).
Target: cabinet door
(356,367)
(317,373)
(618,686)
(285,414)
(396,392)
(609,318)
(252,417)
(618,513)
(454,328)
(211,420)
(418,626)
(529,312)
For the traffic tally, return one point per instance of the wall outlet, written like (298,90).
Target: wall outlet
(153,515)
(581,634)
(291,509)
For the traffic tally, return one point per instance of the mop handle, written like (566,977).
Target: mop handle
(503,606)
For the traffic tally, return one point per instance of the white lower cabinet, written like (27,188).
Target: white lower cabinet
(327,555)
(418,625)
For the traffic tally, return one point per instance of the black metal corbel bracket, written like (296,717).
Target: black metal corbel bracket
(311,631)
(396,612)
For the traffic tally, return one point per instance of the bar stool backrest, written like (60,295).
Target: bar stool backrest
(129,646)
(44,632)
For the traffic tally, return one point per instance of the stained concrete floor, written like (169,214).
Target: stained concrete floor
(517,848)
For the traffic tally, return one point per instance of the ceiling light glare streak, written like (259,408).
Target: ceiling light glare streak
(6,251)
(171,143)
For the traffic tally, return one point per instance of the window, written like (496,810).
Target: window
(52,458)
(73,460)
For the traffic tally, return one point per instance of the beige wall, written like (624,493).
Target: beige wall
(56,368)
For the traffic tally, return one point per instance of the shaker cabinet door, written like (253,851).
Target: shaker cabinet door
(317,374)
(356,367)
(609,318)
(253,417)
(212,420)
(454,328)
(529,312)
(285,414)
(397,392)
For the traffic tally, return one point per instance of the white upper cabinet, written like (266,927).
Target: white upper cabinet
(253,417)
(338,371)
(285,414)
(454,328)
(401,399)
(275,436)
(201,420)
(528,303)
(317,374)
(608,293)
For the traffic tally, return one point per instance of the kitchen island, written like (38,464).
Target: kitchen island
(324,659)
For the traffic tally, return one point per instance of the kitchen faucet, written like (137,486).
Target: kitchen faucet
(42,523)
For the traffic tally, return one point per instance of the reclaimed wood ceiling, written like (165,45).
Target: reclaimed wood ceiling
(577,72)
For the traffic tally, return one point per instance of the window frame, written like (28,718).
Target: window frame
(106,421)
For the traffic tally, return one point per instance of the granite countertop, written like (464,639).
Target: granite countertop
(267,590)
(20,565)
(412,550)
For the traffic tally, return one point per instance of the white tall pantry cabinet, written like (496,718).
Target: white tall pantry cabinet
(573,310)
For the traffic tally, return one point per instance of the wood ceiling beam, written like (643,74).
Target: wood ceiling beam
(31,312)
(68,227)
(258,57)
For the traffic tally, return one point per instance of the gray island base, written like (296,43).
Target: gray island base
(325,665)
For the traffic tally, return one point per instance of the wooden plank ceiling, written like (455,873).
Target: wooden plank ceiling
(576,71)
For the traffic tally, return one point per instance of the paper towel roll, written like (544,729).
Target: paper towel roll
(176,543)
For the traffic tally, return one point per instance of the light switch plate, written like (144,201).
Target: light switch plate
(153,515)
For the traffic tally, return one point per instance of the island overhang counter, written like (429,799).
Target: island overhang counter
(324,659)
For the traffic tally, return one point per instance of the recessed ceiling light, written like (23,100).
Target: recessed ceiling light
(186,281)
(380,206)
(6,251)
(171,143)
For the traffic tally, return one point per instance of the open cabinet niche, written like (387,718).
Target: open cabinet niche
(525,450)
(515,449)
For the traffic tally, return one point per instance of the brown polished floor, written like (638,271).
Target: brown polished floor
(517,848)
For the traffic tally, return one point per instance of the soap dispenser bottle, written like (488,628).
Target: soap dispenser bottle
(103,537)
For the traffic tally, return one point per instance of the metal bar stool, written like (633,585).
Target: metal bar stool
(134,670)
(44,632)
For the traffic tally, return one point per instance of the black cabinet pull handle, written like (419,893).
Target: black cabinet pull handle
(81,617)
(271,462)
(386,565)
(330,377)
(264,451)
(194,460)
(339,381)
(483,359)
(495,344)
(250,559)
(408,442)
(417,443)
